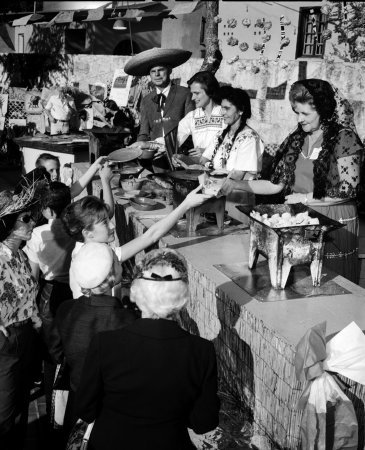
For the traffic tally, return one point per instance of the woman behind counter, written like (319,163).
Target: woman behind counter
(318,165)
(206,120)
(145,384)
(238,147)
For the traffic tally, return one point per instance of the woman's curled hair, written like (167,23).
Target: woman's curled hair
(317,93)
(83,215)
(209,83)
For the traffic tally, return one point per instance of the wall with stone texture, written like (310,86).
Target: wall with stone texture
(272,118)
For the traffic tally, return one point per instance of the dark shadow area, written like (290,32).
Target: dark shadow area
(236,378)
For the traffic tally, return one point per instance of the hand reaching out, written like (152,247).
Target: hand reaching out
(106,173)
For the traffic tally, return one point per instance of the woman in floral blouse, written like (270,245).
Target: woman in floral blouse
(238,147)
(319,165)
(18,318)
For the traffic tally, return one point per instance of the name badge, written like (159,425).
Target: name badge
(315,153)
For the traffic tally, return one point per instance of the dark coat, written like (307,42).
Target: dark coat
(145,384)
(178,104)
(77,322)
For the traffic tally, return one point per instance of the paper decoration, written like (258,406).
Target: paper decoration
(255,69)
(257,46)
(217,19)
(98,90)
(3,104)
(18,122)
(244,46)
(232,41)
(286,21)
(33,102)
(38,120)
(259,23)
(326,34)
(17,94)
(267,25)
(284,65)
(232,23)
(120,87)
(314,23)
(326,9)
(266,38)
(282,37)
(233,60)
(246,22)
(284,42)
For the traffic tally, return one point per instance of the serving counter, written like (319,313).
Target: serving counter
(254,340)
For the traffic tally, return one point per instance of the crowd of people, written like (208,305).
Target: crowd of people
(133,373)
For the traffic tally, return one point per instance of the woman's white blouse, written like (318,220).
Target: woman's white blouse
(246,152)
(202,129)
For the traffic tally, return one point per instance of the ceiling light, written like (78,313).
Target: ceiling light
(119,24)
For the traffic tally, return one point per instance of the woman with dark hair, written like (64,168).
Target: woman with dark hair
(206,120)
(238,147)
(19,317)
(146,383)
(319,165)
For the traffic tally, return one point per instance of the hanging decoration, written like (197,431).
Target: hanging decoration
(232,23)
(282,37)
(286,21)
(285,42)
(255,69)
(232,41)
(326,9)
(267,25)
(313,19)
(257,46)
(233,60)
(266,37)
(263,60)
(217,19)
(244,46)
(259,23)
(246,22)
(326,34)
(284,65)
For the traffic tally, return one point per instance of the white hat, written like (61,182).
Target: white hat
(92,264)
(142,63)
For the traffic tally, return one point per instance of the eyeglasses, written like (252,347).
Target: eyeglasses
(26,218)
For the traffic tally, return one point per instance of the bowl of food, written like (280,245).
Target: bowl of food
(144,204)
(131,184)
(148,153)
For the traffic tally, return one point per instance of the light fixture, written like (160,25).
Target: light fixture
(119,24)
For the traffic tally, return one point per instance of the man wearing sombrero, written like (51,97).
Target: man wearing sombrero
(167,104)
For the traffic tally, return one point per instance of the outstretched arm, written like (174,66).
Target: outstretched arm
(259,187)
(106,175)
(80,185)
(164,225)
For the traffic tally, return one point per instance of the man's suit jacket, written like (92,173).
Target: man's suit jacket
(178,104)
(145,384)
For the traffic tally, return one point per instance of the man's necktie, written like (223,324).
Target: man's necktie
(161,99)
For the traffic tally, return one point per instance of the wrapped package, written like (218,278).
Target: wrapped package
(329,420)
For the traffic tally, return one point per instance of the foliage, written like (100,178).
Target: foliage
(35,69)
(348,20)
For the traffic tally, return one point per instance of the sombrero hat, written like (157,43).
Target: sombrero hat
(142,63)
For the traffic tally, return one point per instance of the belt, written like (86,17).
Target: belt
(20,324)
(59,120)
